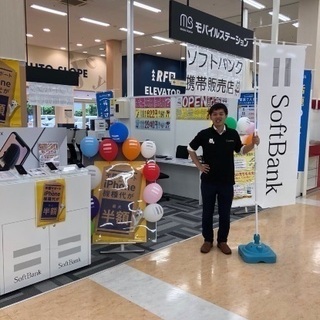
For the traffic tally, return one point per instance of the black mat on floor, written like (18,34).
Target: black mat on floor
(181,220)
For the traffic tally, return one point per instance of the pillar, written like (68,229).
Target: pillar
(114,67)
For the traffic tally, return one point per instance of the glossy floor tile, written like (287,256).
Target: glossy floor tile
(178,282)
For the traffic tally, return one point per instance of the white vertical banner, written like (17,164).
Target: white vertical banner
(281,70)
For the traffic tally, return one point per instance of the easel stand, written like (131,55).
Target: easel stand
(122,249)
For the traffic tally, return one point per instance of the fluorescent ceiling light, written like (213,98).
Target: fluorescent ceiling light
(296,24)
(282,17)
(144,6)
(158,53)
(254,4)
(62,48)
(162,39)
(95,22)
(60,13)
(135,32)
(183,44)
(29,35)
(46,29)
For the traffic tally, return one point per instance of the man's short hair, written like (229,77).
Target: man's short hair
(218,106)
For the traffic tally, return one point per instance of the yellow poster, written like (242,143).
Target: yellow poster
(120,193)
(244,179)
(50,202)
(10,99)
(192,113)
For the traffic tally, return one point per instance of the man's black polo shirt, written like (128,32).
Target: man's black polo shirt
(218,153)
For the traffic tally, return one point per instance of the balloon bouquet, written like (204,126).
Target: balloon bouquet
(131,149)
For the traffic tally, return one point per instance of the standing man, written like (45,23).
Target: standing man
(217,173)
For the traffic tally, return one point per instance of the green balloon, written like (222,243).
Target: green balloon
(92,227)
(231,123)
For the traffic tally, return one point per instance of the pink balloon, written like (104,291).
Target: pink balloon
(251,128)
(152,193)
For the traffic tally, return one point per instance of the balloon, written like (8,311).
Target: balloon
(243,125)
(89,146)
(95,206)
(148,149)
(151,171)
(153,212)
(247,139)
(92,227)
(152,193)
(231,123)
(251,128)
(131,148)
(96,176)
(108,149)
(118,132)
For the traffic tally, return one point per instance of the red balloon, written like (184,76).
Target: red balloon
(151,171)
(108,149)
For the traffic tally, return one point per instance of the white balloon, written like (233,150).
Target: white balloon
(243,124)
(148,149)
(96,176)
(153,212)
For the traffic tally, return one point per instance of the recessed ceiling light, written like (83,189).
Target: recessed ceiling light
(183,58)
(84,51)
(144,6)
(138,49)
(46,29)
(162,39)
(254,4)
(62,48)
(282,17)
(183,44)
(158,53)
(100,23)
(101,49)
(29,35)
(135,32)
(102,55)
(296,24)
(97,40)
(60,13)
(79,44)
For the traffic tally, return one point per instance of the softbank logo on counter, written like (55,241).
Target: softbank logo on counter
(27,276)
(68,263)
(164,78)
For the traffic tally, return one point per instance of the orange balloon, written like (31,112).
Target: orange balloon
(247,139)
(131,148)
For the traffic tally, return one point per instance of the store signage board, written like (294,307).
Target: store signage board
(199,28)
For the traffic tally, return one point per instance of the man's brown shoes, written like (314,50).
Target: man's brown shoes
(224,248)
(206,247)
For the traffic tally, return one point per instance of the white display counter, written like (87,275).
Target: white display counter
(29,254)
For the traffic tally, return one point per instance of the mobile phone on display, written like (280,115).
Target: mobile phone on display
(13,152)
(51,166)
(21,170)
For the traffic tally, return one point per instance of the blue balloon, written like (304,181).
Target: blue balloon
(89,146)
(95,206)
(118,132)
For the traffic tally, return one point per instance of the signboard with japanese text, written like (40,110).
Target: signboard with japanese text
(50,201)
(199,28)
(119,194)
(246,105)
(152,113)
(244,180)
(212,73)
(10,97)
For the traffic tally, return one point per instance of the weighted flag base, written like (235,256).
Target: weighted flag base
(255,252)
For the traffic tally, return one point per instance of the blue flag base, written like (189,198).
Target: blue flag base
(255,252)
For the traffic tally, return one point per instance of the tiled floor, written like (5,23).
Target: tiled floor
(178,282)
